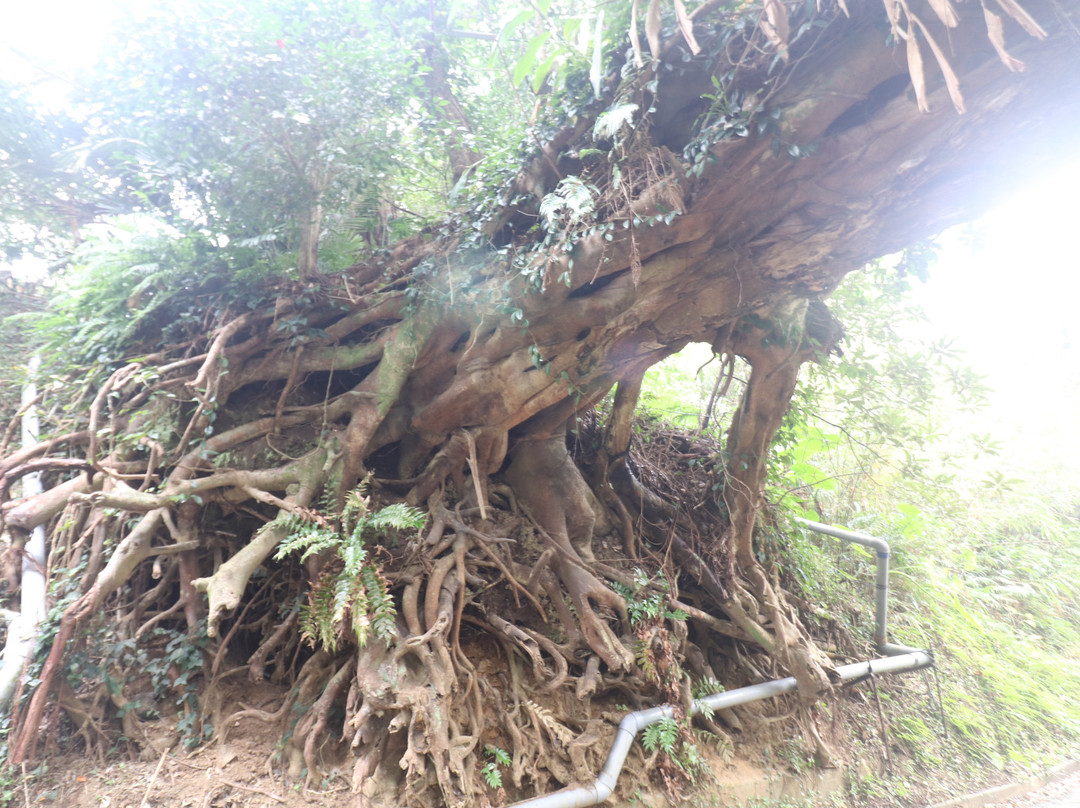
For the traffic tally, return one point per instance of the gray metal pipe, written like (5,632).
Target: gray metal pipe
(633,723)
(881,583)
(897,659)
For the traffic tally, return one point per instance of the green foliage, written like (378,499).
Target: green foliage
(647,599)
(730,115)
(352,589)
(146,289)
(172,660)
(568,205)
(662,735)
(492,769)
(252,123)
(44,196)
(558,41)
(677,390)
(887,440)
(879,411)
(250,116)
(676,742)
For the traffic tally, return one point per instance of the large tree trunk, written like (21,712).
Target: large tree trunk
(450,377)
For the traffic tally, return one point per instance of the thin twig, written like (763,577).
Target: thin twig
(881,721)
(153,778)
(253,790)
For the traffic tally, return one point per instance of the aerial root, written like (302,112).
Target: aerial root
(285,630)
(589,595)
(314,724)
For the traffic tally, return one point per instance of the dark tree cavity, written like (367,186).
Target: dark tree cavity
(461,376)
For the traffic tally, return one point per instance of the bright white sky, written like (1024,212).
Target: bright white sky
(1007,288)
(53,38)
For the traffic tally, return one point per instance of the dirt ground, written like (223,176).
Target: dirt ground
(243,764)
(245,770)
(240,766)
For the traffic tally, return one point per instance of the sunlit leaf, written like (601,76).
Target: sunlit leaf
(916,69)
(652,28)
(596,69)
(609,122)
(511,26)
(543,70)
(995,30)
(528,59)
(686,27)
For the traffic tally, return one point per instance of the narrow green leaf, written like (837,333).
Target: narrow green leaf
(528,60)
(596,72)
(544,69)
(514,23)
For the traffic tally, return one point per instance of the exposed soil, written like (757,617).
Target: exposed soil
(244,771)
(241,769)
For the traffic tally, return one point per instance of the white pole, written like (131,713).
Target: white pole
(23,628)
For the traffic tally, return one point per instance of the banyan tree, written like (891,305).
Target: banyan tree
(404,489)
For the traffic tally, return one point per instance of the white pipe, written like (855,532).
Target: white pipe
(23,627)
(633,723)
(898,658)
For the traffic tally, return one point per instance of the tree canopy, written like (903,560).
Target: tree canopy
(365,364)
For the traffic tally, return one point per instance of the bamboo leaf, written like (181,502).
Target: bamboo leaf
(686,27)
(952,81)
(596,70)
(776,26)
(528,59)
(512,25)
(916,68)
(1018,13)
(652,28)
(945,12)
(635,40)
(543,70)
(995,30)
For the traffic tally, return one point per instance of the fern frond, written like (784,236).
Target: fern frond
(354,555)
(357,591)
(316,618)
(398,516)
(564,734)
(380,604)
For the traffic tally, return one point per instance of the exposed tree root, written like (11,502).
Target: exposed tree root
(509,632)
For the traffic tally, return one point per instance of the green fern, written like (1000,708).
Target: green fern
(646,600)
(492,770)
(661,735)
(316,623)
(352,591)
(676,742)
